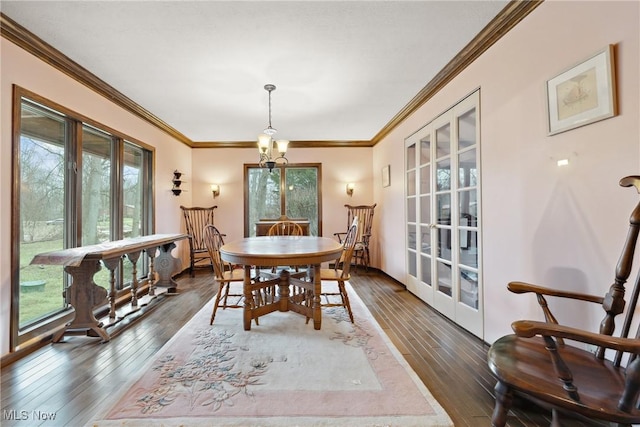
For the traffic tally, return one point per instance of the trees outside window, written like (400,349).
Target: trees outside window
(77,185)
(292,190)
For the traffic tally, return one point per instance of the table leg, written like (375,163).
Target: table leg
(133,258)
(83,294)
(166,264)
(248,302)
(151,279)
(317,289)
(283,291)
(111,265)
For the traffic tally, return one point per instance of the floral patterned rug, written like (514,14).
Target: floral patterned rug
(280,373)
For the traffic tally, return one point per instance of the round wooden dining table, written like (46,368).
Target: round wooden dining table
(274,251)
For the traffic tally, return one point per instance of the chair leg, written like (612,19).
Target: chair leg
(504,399)
(226,295)
(192,270)
(345,299)
(366,258)
(217,302)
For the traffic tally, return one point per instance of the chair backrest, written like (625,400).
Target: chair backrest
(614,302)
(348,247)
(285,228)
(195,220)
(364,214)
(213,241)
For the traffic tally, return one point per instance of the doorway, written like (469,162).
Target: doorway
(442,184)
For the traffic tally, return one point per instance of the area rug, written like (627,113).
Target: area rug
(280,373)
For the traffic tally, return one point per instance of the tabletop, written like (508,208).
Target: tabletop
(281,250)
(106,250)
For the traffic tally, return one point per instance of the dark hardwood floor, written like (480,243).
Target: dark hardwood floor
(70,380)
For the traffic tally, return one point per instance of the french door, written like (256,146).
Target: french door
(442,184)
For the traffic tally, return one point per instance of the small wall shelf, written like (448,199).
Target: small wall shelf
(177,182)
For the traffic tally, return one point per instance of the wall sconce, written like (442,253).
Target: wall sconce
(350,187)
(215,189)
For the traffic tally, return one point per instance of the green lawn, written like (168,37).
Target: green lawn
(38,303)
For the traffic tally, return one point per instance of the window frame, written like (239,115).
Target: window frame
(21,335)
(282,168)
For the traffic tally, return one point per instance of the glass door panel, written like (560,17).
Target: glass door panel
(443,141)
(264,195)
(469,288)
(425,210)
(444,278)
(411,212)
(411,183)
(426,238)
(425,270)
(467,129)
(301,201)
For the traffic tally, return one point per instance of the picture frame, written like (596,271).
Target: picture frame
(386,177)
(582,94)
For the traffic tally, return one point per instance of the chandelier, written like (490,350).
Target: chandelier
(266,142)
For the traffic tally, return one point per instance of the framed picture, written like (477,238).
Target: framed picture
(583,94)
(386,180)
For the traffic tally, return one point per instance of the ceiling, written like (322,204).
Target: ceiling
(342,69)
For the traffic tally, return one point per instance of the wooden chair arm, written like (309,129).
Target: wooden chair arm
(522,287)
(339,235)
(530,328)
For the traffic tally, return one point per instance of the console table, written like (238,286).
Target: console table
(83,294)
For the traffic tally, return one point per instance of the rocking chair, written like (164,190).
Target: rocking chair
(536,362)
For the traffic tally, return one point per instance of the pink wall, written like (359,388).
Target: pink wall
(23,69)
(562,227)
(224,167)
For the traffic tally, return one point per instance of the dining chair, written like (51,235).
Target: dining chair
(195,218)
(364,214)
(340,272)
(285,228)
(224,273)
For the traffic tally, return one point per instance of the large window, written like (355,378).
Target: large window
(292,190)
(77,183)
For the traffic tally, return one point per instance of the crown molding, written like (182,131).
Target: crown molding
(17,34)
(511,14)
(292,144)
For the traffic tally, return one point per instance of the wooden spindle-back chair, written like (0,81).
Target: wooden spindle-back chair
(340,272)
(195,219)
(364,214)
(285,228)
(224,273)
